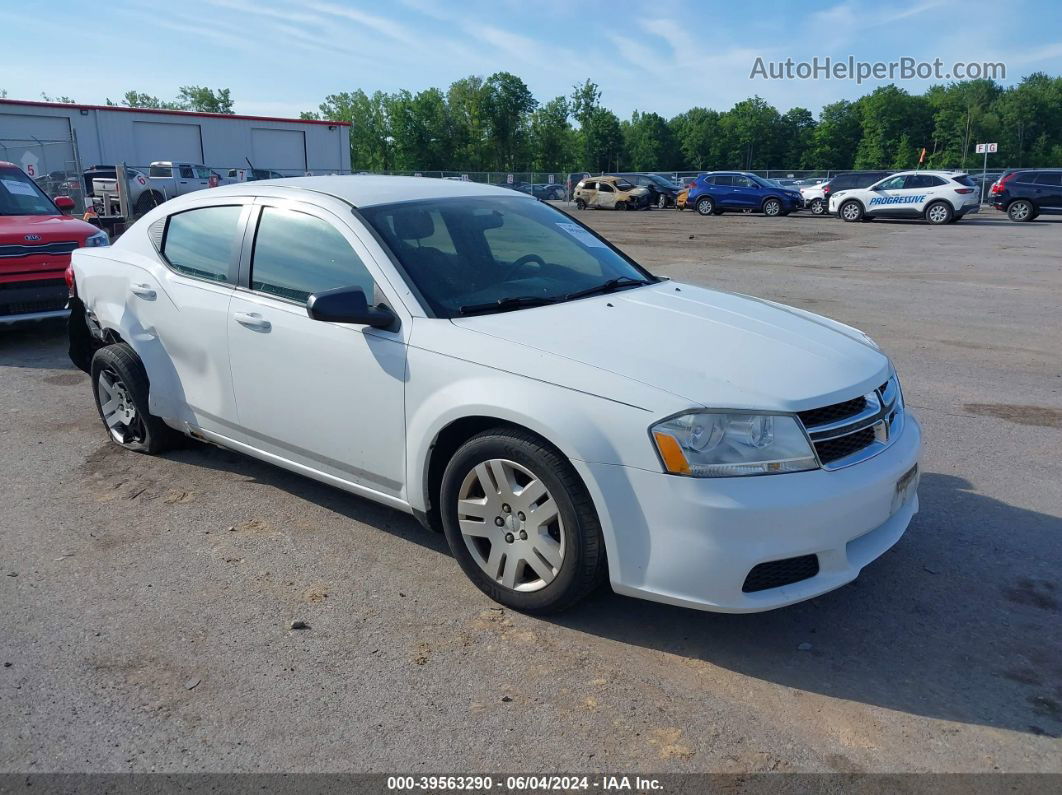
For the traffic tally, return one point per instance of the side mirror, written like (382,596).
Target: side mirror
(349,305)
(64,203)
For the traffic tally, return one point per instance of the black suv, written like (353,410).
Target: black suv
(1026,193)
(849,181)
(662,191)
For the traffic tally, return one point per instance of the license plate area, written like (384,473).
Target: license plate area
(906,486)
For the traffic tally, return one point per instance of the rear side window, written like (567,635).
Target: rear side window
(1024,176)
(923,181)
(720,179)
(202,243)
(965,180)
(841,183)
(296,254)
(604,187)
(1049,178)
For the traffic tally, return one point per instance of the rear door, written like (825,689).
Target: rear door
(328,396)
(1049,191)
(722,189)
(180,303)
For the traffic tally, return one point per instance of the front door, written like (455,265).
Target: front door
(606,196)
(328,396)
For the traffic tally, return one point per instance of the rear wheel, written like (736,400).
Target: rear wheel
(580,204)
(1021,211)
(147,201)
(521,523)
(818,207)
(120,386)
(939,213)
(851,210)
(705,205)
(661,201)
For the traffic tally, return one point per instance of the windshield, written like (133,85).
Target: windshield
(19,195)
(491,253)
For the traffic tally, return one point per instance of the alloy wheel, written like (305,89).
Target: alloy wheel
(511,525)
(118,409)
(938,213)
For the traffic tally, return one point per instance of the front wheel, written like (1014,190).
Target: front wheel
(851,211)
(661,201)
(580,204)
(622,206)
(939,213)
(772,208)
(521,523)
(120,386)
(818,207)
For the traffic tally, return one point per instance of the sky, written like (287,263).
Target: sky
(281,58)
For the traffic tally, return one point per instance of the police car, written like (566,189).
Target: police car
(940,197)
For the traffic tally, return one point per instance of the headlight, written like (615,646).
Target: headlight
(710,444)
(98,239)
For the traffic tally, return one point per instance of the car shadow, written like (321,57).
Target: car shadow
(38,344)
(950,624)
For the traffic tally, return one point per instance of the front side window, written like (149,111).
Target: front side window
(743,182)
(19,195)
(604,187)
(202,172)
(296,255)
(514,251)
(202,243)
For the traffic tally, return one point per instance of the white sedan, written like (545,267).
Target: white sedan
(490,365)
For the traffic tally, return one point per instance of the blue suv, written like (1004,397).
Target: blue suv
(726,191)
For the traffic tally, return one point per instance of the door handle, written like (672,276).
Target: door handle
(143,290)
(252,320)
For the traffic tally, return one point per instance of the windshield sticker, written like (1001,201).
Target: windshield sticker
(21,188)
(582,236)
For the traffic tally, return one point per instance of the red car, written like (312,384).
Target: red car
(35,244)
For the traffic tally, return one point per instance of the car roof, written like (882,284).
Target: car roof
(370,190)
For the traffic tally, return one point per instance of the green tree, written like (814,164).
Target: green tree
(370,149)
(750,135)
(466,100)
(552,137)
(602,140)
(796,135)
(836,137)
(885,115)
(698,134)
(205,100)
(64,99)
(135,99)
(507,104)
(650,143)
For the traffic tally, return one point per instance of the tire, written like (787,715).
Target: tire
(146,202)
(1021,211)
(622,206)
(661,201)
(705,205)
(939,213)
(772,208)
(119,374)
(851,211)
(818,207)
(571,561)
(580,204)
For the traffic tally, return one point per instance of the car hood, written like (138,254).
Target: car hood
(704,346)
(43,229)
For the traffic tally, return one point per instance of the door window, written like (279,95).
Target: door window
(187,173)
(202,243)
(896,183)
(604,187)
(296,254)
(743,182)
(1049,178)
(202,172)
(721,179)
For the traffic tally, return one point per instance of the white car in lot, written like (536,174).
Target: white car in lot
(814,198)
(940,197)
(485,362)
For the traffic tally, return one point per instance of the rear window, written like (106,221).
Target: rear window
(964,179)
(160,171)
(201,243)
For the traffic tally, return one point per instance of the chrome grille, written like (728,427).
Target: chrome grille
(855,430)
(20,250)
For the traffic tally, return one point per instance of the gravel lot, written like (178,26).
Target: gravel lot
(146,601)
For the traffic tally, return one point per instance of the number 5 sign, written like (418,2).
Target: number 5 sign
(29,164)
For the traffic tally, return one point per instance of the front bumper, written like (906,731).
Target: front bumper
(693,541)
(32,300)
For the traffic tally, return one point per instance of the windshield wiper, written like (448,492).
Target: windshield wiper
(606,287)
(505,304)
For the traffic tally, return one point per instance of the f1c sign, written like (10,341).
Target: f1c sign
(987,148)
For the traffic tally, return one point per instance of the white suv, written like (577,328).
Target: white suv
(940,197)
(483,361)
